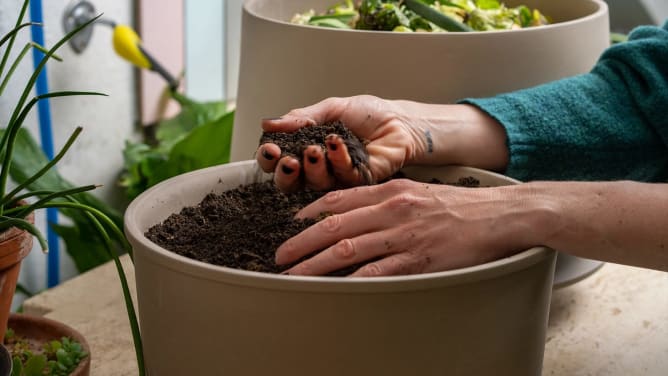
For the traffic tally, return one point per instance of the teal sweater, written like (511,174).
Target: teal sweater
(609,124)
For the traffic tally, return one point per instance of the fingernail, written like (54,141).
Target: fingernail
(286,170)
(266,155)
(313,160)
(332,146)
(272,119)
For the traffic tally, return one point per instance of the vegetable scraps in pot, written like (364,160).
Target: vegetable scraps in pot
(424,16)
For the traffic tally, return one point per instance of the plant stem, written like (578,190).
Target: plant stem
(13,37)
(5,198)
(95,217)
(17,61)
(27,90)
(9,222)
(22,211)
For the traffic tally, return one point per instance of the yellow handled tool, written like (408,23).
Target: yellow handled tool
(128,45)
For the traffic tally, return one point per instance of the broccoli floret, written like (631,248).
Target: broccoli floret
(381,15)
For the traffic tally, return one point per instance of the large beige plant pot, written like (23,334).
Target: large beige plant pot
(285,66)
(201,319)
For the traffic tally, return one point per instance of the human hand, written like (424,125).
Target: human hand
(397,132)
(381,123)
(406,227)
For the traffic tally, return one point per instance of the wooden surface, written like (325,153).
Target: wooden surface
(612,323)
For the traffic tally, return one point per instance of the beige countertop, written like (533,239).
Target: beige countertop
(613,323)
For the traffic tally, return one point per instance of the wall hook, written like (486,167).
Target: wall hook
(76,13)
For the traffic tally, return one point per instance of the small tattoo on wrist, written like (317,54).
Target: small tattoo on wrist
(430,141)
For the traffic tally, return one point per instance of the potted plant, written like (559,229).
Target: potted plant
(17,206)
(199,318)
(36,344)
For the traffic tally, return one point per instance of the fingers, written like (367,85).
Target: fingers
(319,166)
(342,201)
(325,233)
(287,123)
(337,154)
(329,109)
(286,176)
(267,156)
(343,254)
(398,264)
(316,173)
(393,255)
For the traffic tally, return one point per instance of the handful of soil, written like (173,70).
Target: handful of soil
(294,143)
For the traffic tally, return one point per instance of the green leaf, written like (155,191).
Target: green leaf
(192,115)
(17,61)
(82,244)
(205,146)
(35,365)
(17,366)
(432,15)
(618,38)
(11,36)
(7,142)
(8,222)
(29,158)
(329,22)
(525,15)
(488,4)
(199,136)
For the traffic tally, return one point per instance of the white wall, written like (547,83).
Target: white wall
(212,44)
(107,121)
(658,10)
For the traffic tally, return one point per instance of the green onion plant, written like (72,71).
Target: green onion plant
(15,205)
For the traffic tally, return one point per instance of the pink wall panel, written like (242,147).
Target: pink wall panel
(161,27)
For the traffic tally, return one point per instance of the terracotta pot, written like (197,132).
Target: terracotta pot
(199,319)
(15,244)
(42,330)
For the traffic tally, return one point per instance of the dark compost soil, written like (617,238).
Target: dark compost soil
(242,228)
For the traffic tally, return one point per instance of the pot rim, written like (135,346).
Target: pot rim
(203,270)
(601,11)
(23,320)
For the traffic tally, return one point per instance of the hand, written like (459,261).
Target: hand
(406,227)
(398,133)
(391,142)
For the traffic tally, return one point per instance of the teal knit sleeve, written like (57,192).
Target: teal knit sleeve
(611,123)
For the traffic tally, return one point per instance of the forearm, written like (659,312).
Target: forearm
(455,135)
(605,125)
(623,222)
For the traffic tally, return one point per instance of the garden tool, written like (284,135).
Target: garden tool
(128,45)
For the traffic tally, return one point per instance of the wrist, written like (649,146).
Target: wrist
(460,134)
